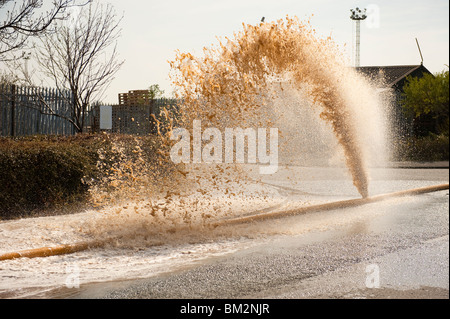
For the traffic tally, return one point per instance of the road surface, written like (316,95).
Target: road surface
(398,248)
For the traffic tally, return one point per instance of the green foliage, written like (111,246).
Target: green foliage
(428,97)
(155,91)
(44,173)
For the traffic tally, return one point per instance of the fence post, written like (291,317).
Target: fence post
(13,110)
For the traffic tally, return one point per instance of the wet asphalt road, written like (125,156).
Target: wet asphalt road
(395,249)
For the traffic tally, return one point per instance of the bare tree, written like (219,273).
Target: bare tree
(19,22)
(81,58)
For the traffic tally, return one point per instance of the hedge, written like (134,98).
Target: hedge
(422,149)
(50,174)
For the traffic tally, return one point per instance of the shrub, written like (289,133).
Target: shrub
(44,173)
(423,149)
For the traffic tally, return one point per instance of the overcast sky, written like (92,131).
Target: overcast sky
(153,30)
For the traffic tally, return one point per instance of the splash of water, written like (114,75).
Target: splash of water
(233,84)
(278,74)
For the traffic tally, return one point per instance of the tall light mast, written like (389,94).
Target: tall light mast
(357,15)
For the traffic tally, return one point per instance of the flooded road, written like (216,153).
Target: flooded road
(396,248)
(406,250)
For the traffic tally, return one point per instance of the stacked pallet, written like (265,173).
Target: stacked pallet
(133,114)
(135,97)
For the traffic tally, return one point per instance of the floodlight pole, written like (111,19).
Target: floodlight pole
(357,15)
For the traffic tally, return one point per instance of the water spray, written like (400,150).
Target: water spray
(232,85)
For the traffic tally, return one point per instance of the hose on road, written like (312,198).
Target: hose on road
(72,248)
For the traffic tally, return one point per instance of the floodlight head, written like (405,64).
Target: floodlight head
(358,14)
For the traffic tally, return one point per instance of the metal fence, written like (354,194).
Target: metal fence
(22,111)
